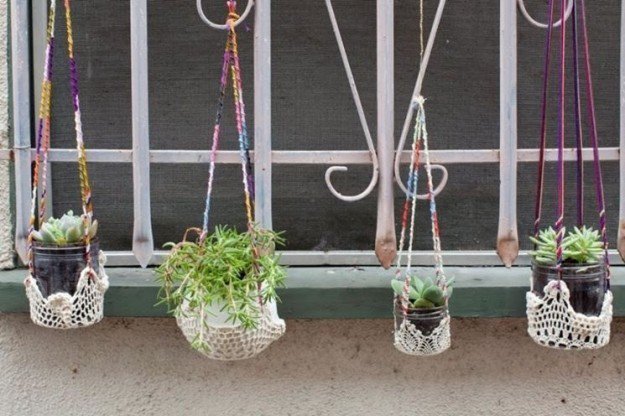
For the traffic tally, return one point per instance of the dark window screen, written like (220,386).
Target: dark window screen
(312,110)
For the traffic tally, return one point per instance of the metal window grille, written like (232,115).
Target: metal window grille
(28,23)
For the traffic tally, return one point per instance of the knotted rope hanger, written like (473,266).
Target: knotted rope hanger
(43,135)
(592,128)
(419,145)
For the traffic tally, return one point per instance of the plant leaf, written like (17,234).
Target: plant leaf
(434,294)
(423,304)
(398,286)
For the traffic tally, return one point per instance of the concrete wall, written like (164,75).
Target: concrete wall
(145,367)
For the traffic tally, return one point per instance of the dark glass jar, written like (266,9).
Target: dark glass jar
(586,283)
(425,320)
(57,269)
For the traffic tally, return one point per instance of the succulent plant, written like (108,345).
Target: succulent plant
(64,231)
(580,246)
(424,293)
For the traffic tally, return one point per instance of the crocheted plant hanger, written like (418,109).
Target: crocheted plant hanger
(552,322)
(407,338)
(229,341)
(85,307)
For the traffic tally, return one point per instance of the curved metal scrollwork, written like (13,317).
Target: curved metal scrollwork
(416,93)
(224,26)
(534,22)
(361,115)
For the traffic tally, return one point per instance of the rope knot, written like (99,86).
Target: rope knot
(418,101)
(233,16)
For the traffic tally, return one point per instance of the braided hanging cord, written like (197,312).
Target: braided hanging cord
(85,187)
(419,145)
(43,136)
(231,67)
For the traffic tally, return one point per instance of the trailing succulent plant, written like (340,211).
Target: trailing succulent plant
(580,246)
(64,231)
(424,293)
(228,268)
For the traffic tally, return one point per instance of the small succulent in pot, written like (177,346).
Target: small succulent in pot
(65,231)
(583,266)
(224,277)
(427,302)
(579,247)
(59,252)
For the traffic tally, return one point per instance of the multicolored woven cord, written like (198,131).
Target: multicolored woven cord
(419,145)
(43,134)
(231,66)
(598,179)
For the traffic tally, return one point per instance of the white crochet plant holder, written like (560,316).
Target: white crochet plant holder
(65,311)
(229,341)
(553,323)
(410,340)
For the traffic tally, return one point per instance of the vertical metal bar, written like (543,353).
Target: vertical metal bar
(142,241)
(39,13)
(507,236)
(262,113)
(621,228)
(385,241)
(39,17)
(20,68)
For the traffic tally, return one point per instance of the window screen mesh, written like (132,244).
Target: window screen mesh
(312,110)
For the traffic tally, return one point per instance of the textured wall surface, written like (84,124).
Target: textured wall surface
(6,238)
(145,367)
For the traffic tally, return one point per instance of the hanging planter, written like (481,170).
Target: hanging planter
(583,268)
(66,281)
(222,291)
(420,304)
(569,305)
(59,253)
(422,325)
(221,287)
(422,322)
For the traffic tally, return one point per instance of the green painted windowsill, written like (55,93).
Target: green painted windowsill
(323,292)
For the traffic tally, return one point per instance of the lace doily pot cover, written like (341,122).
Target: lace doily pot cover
(64,311)
(410,340)
(229,341)
(553,323)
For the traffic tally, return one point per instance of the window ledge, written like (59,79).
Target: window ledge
(327,292)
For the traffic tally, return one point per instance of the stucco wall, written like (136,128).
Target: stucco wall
(145,367)
(6,239)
